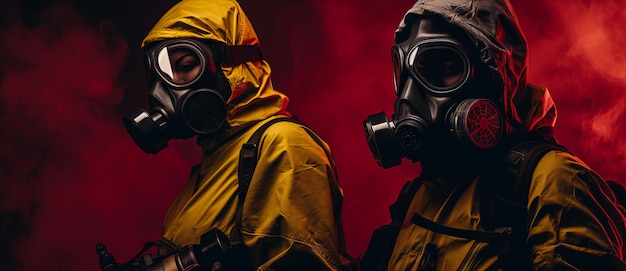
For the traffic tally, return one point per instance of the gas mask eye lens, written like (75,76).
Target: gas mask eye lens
(179,65)
(397,60)
(440,67)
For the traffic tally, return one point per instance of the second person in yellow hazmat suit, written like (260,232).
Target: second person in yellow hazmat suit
(466,113)
(207,78)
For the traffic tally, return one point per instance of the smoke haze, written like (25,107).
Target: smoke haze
(71,177)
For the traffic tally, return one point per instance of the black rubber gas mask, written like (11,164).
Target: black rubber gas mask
(447,99)
(188,91)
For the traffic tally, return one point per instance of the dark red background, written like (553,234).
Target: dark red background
(70,177)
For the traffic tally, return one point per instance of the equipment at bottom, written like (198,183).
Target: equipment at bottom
(211,254)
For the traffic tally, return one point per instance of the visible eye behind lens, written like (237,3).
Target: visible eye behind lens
(186,66)
(182,63)
(451,67)
(441,68)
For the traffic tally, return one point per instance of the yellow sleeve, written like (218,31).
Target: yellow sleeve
(574,223)
(290,211)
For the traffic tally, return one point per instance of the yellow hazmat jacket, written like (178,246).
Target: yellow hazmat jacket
(291,214)
(568,226)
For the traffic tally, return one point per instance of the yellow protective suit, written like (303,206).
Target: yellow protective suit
(569,228)
(291,214)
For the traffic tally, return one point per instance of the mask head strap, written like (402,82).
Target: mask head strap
(231,55)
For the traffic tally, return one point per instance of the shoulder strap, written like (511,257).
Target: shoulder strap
(400,207)
(505,182)
(248,157)
(512,184)
(383,239)
(504,203)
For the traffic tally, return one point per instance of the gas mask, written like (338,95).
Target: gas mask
(188,90)
(447,99)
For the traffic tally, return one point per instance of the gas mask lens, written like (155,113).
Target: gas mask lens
(397,60)
(440,66)
(180,64)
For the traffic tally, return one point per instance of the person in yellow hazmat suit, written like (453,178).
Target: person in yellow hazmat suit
(496,190)
(207,78)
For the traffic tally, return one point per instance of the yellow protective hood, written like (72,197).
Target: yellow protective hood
(253,97)
(495,30)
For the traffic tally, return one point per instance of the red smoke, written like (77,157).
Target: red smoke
(71,177)
(579,57)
